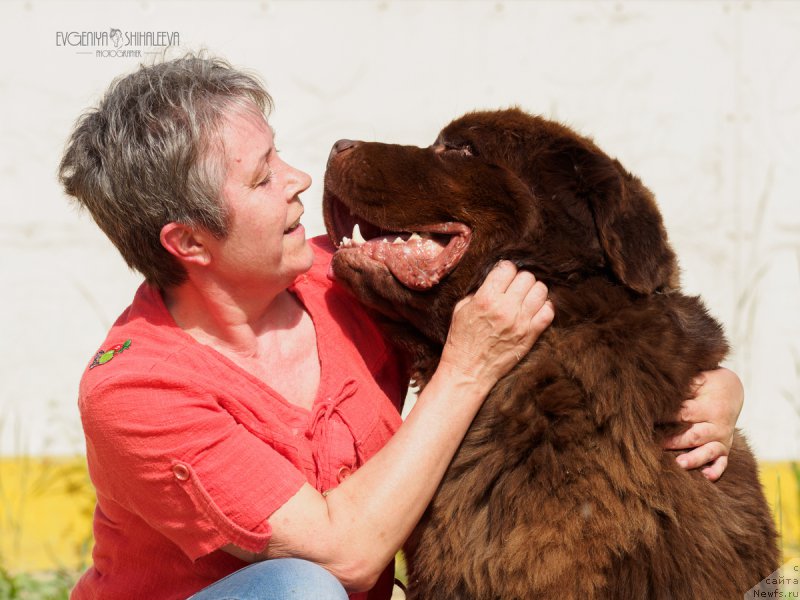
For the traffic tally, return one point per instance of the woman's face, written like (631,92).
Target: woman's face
(265,245)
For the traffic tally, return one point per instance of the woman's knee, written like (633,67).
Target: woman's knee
(306,579)
(276,579)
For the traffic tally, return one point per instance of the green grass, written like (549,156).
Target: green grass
(52,585)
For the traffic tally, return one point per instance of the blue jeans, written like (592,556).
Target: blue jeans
(276,579)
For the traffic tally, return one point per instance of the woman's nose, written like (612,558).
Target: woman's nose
(298,181)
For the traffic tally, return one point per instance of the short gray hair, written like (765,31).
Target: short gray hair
(145,156)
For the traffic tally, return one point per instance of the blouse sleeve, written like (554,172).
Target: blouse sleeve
(166,450)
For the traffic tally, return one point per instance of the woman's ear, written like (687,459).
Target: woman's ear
(185,243)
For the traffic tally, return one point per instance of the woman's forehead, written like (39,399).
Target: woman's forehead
(246,137)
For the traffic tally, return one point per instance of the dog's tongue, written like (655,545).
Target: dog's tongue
(417,262)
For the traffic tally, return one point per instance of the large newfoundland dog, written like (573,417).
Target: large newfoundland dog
(560,488)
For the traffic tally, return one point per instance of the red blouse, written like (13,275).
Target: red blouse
(188,452)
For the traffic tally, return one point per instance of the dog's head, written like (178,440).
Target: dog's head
(431,222)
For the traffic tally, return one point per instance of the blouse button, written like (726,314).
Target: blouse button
(343,473)
(181,472)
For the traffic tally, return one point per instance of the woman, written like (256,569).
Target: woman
(244,407)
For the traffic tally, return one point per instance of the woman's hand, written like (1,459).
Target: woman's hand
(494,328)
(713,411)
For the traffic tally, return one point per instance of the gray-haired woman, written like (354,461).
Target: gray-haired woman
(244,407)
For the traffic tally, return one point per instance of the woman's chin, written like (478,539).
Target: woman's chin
(304,254)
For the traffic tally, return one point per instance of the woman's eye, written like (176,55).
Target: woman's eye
(266,180)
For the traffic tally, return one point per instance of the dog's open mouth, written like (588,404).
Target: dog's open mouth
(418,256)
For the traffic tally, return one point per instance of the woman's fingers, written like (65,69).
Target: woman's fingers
(534,299)
(705,454)
(697,435)
(542,319)
(530,294)
(714,471)
(497,281)
(535,312)
(520,286)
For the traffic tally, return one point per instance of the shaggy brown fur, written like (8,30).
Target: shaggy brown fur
(560,488)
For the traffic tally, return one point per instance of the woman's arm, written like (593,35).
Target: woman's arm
(713,412)
(355,530)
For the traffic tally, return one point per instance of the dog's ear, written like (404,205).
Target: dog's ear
(628,223)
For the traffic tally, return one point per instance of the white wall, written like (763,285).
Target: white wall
(701,99)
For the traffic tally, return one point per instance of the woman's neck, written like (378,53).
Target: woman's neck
(237,323)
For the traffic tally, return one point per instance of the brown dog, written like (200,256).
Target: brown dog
(560,488)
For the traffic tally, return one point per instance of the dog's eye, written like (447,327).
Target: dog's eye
(463,150)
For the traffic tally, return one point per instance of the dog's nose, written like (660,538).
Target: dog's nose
(341,146)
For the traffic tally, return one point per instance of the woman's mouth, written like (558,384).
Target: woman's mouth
(293,226)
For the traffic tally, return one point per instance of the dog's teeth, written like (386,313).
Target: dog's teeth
(414,236)
(357,237)
(398,240)
(345,242)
